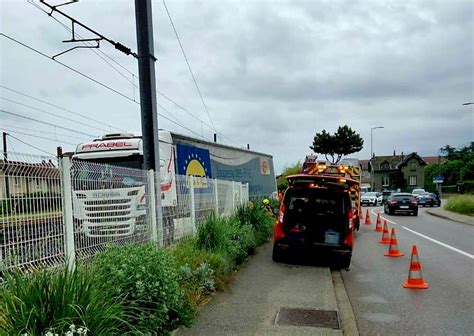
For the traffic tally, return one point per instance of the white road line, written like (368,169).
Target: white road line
(429,238)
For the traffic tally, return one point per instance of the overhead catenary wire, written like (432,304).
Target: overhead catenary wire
(25,143)
(97,82)
(52,114)
(46,123)
(189,65)
(98,53)
(59,107)
(45,132)
(37,136)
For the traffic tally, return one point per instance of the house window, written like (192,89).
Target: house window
(413,166)
(413,181)
(385,165)
(385,180)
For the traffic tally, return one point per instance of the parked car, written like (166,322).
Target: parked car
(401,202)
(371,198)
(316,218)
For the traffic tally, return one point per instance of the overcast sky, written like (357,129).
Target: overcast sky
(272,73)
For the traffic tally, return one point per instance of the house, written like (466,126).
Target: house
(19,179)
(404,172)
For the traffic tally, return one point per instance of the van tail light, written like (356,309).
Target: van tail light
(351,219)
(278,228)
(349,240)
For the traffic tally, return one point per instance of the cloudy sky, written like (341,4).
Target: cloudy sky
(272,73)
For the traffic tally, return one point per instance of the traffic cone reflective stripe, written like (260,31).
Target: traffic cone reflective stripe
(415,276)
(393,250)
(385,235)
(378,218)
(367,218)
(378,227)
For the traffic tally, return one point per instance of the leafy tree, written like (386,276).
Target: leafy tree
(343,142)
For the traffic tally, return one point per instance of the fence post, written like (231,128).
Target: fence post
(193,205)
(216,197)
(241,194)
(152,207)
(68,219)
(248,193)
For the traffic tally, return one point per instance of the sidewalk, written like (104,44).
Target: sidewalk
(251,304)
(440,212)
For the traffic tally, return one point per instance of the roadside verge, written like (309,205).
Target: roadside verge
(445,214)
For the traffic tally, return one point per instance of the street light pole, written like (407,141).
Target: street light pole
(468,103)
(371,156)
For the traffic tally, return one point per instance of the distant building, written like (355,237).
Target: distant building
(26,179)
(397,171)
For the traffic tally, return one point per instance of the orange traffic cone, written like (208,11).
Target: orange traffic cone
(367,218)
(361,213)
(378,218)
(378,227)
(385,235)
(393,250)
(415,277)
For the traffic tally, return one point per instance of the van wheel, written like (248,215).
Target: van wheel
(277,255)
(344,262)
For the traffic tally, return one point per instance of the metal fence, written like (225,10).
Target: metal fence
(53,210)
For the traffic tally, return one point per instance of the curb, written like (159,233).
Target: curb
(432,212)
(346,313)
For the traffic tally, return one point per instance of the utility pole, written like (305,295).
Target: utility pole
(5,157)
(149,119)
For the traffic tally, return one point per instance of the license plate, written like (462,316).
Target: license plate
(404,206)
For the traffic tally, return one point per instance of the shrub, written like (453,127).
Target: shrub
(259,220)
(239,242)
(211,234)
(53,300)
(147,279)
(463,204)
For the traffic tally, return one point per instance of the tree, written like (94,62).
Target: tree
(345,141)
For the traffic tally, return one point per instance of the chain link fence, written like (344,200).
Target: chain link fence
(54,210)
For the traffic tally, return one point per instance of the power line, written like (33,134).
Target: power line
(46,123)
(124,68)
(50,113)
(189,66)
(70,68)
(59,107)
(95,81)
(41,131)
(25,143)
(39,137)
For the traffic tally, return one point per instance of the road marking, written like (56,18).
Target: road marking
(429,238)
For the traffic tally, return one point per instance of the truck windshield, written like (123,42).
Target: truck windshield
(108,173)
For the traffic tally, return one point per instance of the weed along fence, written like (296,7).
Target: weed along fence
(54,210)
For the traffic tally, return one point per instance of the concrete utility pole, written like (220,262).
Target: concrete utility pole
(149,119)
(5,157)
(146,71)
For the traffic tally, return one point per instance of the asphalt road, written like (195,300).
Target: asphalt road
(374,283)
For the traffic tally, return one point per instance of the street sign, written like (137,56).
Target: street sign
(438,179)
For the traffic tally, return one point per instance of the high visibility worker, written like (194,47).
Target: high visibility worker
(266,206)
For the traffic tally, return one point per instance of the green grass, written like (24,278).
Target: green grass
(462,204)
(53,300)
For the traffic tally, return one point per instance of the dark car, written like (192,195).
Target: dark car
(435,200)
(401,202)
(315,218)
